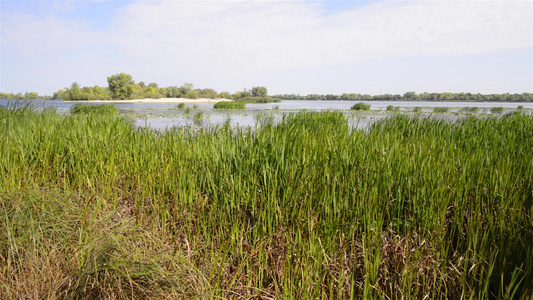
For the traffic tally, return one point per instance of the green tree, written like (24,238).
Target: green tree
(121,86)
(259,91)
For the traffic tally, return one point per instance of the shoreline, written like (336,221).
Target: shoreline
(161,100)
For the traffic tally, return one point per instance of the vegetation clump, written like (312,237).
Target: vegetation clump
(361,106)
(230,105)
(84,109)
(441,109)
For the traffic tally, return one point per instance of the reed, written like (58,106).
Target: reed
(230,105)
(304,207)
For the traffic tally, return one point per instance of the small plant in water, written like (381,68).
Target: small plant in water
(361,106)
(520,107)
(181,105)
(198,118)
(417,109)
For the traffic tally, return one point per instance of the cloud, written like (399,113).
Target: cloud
(174,41)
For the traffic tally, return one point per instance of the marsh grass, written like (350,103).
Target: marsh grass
(92,207)
(230,105)
(104,109)
(441,109)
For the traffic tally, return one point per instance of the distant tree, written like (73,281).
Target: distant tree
(120,86)
(410,96)
(259,91)
(142,84)
(154,85)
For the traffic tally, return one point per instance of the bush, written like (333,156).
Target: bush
(440,109)
(390,108)
(361,106)
(181,105)
(230,105)
(84,109)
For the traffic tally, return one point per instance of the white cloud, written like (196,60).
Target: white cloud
(171,42)
(264,36)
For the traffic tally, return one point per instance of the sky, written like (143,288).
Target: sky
(300,47)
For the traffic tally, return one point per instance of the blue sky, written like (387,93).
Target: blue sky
(298,47)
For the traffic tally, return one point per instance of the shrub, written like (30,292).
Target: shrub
(181,105)
(390,108)
(361,106)
(230,105)
(106,109)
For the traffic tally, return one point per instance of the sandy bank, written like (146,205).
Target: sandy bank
(162,100)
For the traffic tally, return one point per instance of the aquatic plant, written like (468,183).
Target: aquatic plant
(230,105)
(361,106)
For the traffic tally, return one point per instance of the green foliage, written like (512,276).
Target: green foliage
(225,95)
(198,118)
(304,208)
(361,106)
(207,93)
(192,95)
(230,105)
(181,105)
(440,109)
(520,107)
(259,91)
(121,86)
(84,109)
(417,109)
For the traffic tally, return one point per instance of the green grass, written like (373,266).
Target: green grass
(304,208)
(84,109)
(441,109)
(361,106)
(230,105)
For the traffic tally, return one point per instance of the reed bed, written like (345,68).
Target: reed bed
(92,207)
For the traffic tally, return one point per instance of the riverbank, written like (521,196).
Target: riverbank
(161,100)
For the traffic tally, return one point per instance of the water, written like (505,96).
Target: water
(165,115)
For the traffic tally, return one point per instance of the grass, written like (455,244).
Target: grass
(417,109)
(470,109)
(441,109)
(92,207)
(85,109)
(360,106)
(230,105)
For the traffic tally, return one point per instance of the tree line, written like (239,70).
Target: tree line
(412,96)
(122,86)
